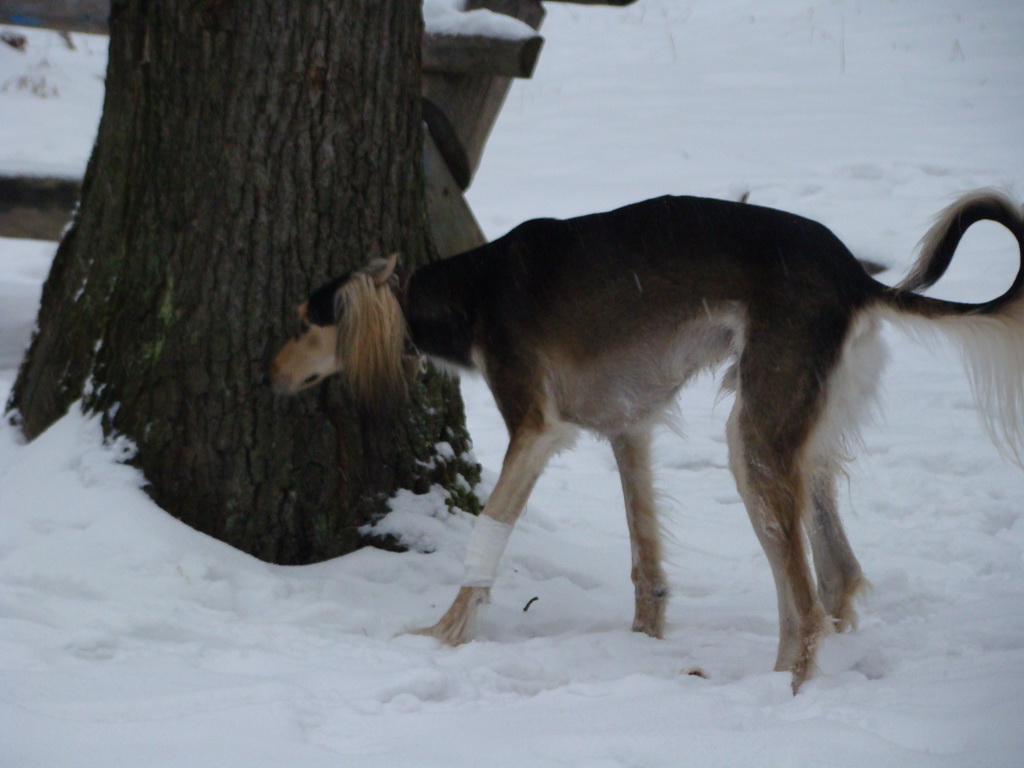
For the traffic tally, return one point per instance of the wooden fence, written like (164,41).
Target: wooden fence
(466,79)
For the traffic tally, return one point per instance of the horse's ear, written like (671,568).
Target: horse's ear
(381,270)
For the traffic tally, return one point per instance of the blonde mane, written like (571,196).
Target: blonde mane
(371,337)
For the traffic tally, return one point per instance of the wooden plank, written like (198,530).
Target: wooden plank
(61,15)
(471,101)
(36,207)
(452,224)
(529,11)
(461,54)
(91,15)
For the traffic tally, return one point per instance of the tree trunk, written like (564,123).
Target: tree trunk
(246,153)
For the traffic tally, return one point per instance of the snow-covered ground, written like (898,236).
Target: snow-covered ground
(128,639)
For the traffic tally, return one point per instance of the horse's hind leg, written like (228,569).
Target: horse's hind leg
(839,575)
(632,455)
(780,398)
(776,501)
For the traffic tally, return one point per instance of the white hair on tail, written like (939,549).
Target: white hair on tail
(991,348)
(993,352)
(988,336)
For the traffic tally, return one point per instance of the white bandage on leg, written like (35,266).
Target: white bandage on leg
(486,543)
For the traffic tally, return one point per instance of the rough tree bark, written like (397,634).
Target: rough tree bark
(246,153)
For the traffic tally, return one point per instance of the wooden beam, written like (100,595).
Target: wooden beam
(470,101)
(61,15)
(91,15)
(36,207)
(452,225)
(460,54)
(528,11)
